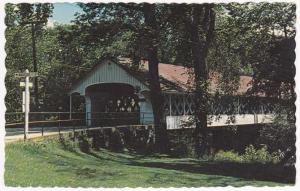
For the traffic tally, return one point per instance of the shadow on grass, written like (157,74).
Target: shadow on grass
(262,172)
(246,171)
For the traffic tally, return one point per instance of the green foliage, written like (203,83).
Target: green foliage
(85,143)
(261,155)
(66,52)
(251,155)
(259,37)
(252,39)
(67,143)
(281,134)
(227,156)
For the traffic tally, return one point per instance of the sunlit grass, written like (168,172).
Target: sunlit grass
(49,164)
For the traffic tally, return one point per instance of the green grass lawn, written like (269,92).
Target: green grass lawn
(49,164)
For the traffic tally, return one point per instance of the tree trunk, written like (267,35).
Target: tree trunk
(199,48)
(156,97)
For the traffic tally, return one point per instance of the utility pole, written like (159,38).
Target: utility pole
(35,68)
(33,25)
(27,84)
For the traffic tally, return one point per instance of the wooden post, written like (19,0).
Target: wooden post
(27,99)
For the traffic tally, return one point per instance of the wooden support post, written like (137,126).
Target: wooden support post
(27,99)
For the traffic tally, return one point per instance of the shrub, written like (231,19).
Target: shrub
(281,134)
(251,155)
(261,155)
(66,143)
(227,156)
(84,143)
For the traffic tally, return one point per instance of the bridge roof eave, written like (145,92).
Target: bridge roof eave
(107,72)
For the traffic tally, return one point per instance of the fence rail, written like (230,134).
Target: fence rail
(41,122)
(38,119)
(41,119)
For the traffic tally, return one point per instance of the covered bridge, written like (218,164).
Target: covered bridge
(116,93)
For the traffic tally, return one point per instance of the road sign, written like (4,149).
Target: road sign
(33,74)
(19,75)
(22,84)
(25,74)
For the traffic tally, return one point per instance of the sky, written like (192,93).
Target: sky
(63,13)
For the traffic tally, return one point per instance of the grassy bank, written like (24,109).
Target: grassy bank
(49,163)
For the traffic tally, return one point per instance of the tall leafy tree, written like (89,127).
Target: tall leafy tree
(194,26)
(258,38)
(35,16)
(201,28)
(152,39)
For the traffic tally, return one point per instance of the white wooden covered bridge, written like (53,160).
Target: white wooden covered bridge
(117,93)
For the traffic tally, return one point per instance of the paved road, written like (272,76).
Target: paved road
(34,130)
(15,134)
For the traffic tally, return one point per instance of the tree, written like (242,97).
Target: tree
(200,46)
(267,32)
(262,37)
(55,75)
(194,26)
(35,15)
(152,39)
(17,55)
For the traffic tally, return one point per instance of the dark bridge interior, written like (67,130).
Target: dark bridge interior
(113,104)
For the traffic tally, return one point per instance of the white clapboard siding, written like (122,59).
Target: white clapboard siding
(176,122)
(107,72)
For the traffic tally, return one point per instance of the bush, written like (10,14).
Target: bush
(251,155)
(262,155)
(66,143)
(281,134)
(84,143)
(227,156)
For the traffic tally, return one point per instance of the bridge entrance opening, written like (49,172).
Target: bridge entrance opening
(113,104)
